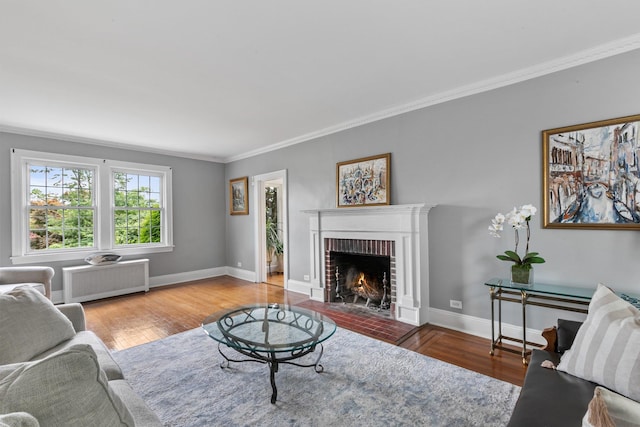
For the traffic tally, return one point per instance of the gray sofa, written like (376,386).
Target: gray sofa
(591,370)
(75,374)
(548,397)
(38,277)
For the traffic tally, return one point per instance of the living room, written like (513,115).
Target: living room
(469,152)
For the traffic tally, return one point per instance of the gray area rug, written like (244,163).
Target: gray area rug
(365,383)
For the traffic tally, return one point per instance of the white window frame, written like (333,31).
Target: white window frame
(104,233)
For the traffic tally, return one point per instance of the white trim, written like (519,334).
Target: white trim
(165,173)
(102,203)
(258,183)
(238,273)
(405,225)
(479,327)
(259,240)
(20,160)
(586,56)
(82,253)
(303,288)
(589,55)
(40,133)
(188,276)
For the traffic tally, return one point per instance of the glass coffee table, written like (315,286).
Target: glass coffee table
(271,334)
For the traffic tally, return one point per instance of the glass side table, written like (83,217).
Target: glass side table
(560,297)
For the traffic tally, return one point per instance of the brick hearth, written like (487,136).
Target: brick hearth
(371,325)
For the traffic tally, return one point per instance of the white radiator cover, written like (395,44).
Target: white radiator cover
(91,282)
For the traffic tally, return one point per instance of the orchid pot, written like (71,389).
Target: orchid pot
(522,274)
(522,268)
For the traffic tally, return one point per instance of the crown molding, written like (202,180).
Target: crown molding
(112,144)
(596,53)
(603,51)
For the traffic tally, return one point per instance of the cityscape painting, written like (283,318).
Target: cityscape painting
(591,177)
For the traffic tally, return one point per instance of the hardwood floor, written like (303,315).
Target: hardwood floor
(126,321)
(276,279)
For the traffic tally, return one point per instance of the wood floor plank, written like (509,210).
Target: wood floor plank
(130,320)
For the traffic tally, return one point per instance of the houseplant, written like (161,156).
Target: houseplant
(518,219)
(274,243)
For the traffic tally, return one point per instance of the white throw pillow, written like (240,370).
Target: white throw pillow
(67,388)
(29,325)
(607,345)
(18,419)
(608,409)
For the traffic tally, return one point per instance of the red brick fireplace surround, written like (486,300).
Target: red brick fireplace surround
(383,248)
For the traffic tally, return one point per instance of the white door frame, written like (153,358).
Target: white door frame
(258,183)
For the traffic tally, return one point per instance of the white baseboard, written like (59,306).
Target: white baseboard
(299,287)
(478,326)
(238,273)
(189,276)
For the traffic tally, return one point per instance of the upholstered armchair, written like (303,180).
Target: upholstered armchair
(38,276)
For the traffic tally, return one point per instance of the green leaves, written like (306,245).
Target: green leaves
(529,258)
(510,256)
(533,258)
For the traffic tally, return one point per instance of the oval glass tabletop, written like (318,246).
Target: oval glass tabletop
(269,328)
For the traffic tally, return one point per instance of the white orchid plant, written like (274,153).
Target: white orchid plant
(519,220)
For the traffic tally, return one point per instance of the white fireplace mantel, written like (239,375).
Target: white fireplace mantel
(406,225)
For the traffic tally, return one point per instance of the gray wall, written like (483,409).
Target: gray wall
(198,205)
(471,157)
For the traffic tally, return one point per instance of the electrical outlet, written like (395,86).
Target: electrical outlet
(455,304)
(239,264)
(306,277)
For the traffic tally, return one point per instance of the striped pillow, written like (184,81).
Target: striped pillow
(607,346)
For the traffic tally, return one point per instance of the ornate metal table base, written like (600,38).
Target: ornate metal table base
(274,360)
(271,334)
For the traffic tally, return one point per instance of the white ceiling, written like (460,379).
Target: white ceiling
(223,80)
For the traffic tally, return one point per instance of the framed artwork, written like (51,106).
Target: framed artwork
(363,182)
(591,177)
(238,196)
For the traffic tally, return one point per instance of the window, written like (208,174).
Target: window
(64,207)
(137,212)
(61,207)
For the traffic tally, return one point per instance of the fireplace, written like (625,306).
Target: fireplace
(360,272)
(391,241)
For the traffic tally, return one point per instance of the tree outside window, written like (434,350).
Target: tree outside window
(137,214)
(61,207)
(64,206)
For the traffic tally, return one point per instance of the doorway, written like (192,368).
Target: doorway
(271,228)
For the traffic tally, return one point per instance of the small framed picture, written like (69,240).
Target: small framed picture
(591,175)
(363,182)
(238,196)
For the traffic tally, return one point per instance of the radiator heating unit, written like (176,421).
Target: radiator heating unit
(91,282)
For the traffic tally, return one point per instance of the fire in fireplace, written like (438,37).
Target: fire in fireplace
(362,279)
